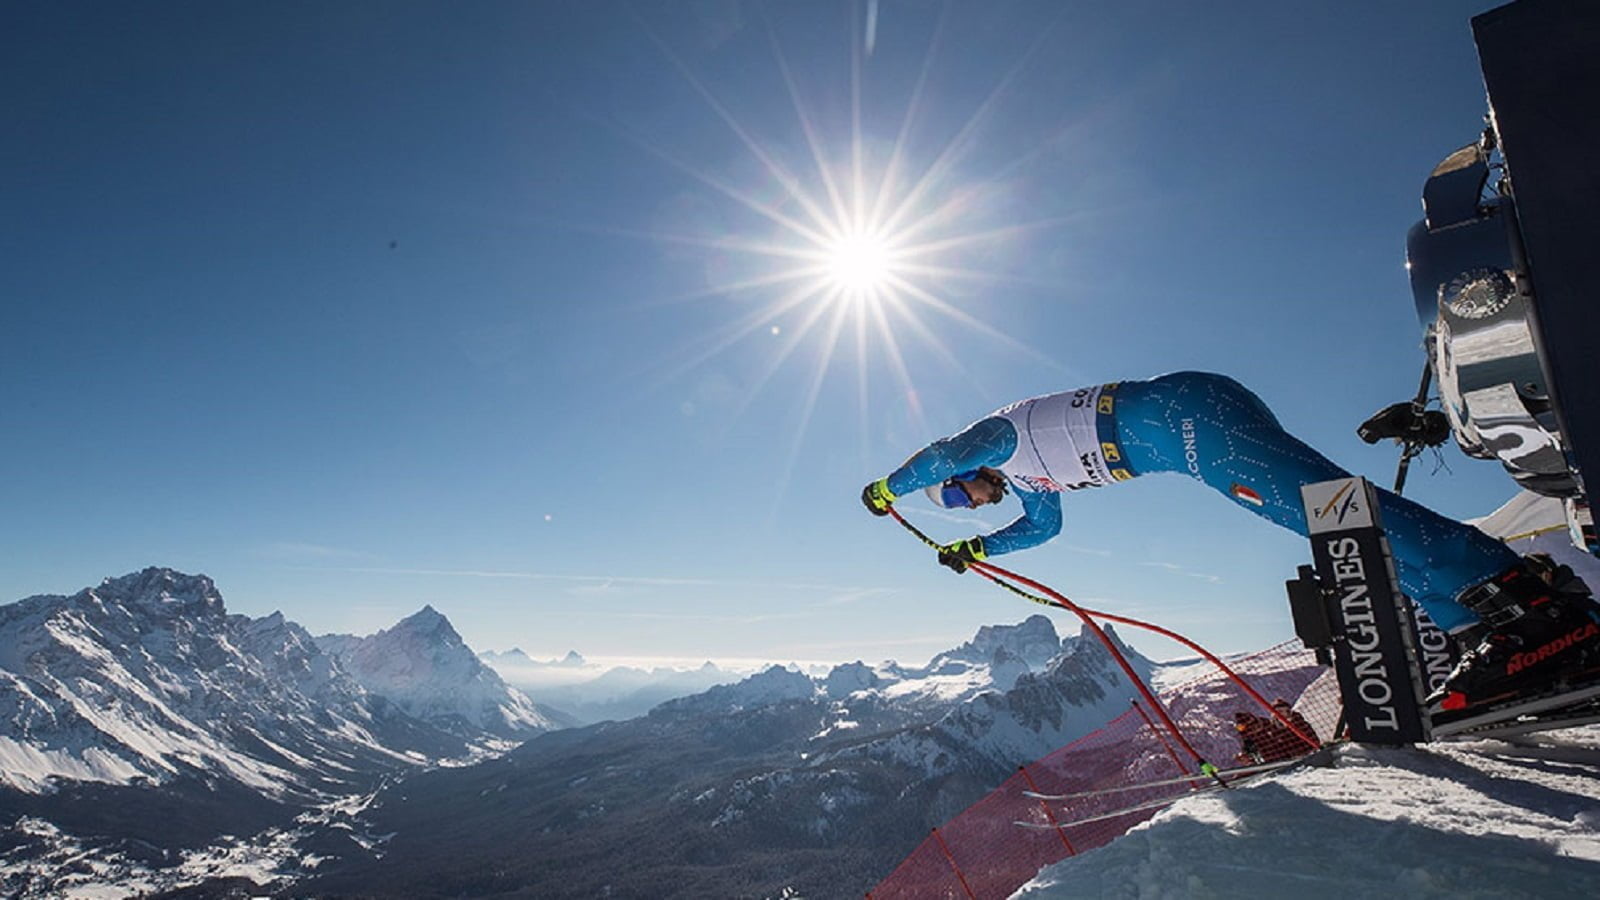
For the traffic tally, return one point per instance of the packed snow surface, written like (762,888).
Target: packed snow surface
(1475,818)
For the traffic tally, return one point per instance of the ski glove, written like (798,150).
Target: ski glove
(958,554)
(877,497)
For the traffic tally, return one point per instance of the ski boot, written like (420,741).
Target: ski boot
(1539,625)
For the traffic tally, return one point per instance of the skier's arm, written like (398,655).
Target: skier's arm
(1040,521)
(987,442)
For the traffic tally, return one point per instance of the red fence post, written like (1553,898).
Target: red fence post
(960,877)
(1047,813)
(1182,770)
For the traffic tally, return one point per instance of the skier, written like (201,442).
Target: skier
(1289,743)
(1251,729)
(1265,740)
(1518,623)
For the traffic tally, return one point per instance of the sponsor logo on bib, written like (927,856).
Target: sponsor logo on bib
(1039,483)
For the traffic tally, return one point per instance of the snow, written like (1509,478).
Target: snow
(841,725)
(50,863)
(1475,818)
(30,768)
(1169,674)
(945,687)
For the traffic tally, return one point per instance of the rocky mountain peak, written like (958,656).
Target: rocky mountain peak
(844,680)
(424,666)
(774,684)
(162,590)
(428,621)
(1034,641)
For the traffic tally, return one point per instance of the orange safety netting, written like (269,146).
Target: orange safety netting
(1000,842)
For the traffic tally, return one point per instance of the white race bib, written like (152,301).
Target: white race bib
(1058,444)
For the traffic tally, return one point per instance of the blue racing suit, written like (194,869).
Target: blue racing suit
(1212,429)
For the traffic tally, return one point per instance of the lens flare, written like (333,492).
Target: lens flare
(851,237)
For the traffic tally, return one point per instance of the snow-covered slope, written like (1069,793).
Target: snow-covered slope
(1481,818)
(429,672)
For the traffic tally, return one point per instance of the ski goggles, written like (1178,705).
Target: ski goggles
(953,496)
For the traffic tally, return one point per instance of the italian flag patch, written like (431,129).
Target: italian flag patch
(1247,495)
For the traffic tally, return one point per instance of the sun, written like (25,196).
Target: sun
(859,263)
(842,234)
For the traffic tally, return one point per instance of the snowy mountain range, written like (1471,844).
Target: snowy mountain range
(779,780)
(585,693)
(278,722)
(515,658)
(143,693)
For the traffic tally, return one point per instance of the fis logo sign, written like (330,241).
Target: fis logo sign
(1337,505)
(1340,506)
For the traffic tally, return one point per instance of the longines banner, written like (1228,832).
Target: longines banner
(1436,653)
(1372,625)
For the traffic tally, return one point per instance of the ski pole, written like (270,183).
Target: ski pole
(1058,599)
(1149,696)
(1310,740)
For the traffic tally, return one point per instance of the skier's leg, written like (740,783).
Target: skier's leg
(1215,430)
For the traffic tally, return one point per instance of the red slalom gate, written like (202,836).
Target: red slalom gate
(1001,841)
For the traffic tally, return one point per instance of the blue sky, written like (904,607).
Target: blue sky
(360,306)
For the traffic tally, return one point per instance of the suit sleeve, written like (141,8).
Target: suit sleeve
(1040,521)
(987,442)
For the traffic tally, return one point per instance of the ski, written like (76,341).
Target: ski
(1569,717)
(1137,807)
(1198,776)
(1512,712)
